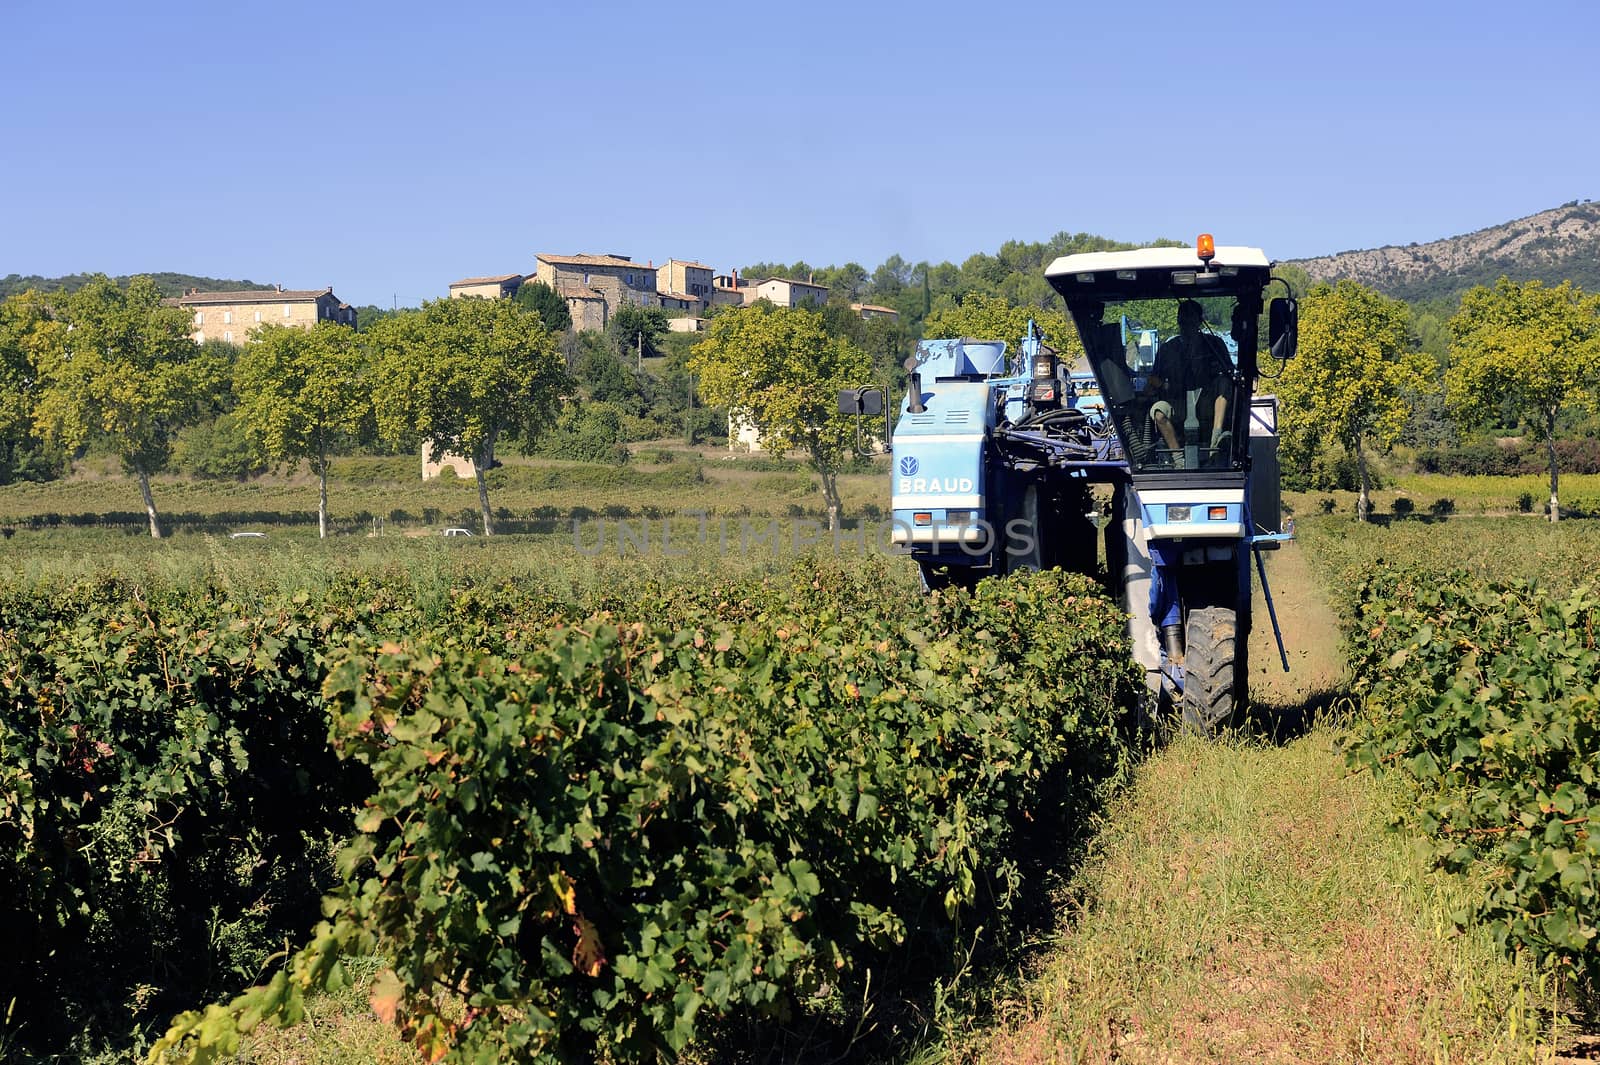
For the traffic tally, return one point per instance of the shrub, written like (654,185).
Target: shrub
(217,449)
(1442,508)
(1483,698)
(586,432)
(603,836)
(1403,507)
(1525,503)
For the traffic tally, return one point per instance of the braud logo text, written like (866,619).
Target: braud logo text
(935,484)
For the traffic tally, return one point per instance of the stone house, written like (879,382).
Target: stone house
(680,301)
(617,279)
(677,276)
(783,292)
(500,286)
(230,316)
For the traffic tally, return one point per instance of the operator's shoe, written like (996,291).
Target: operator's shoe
(1172,642)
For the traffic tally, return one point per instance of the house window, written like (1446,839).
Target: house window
(227,316)
(228,337)
(258,316)
(199,338)
(199,317)
(286,310)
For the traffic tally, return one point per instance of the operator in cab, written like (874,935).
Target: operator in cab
(1190,367)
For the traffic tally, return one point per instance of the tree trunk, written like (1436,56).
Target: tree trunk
(830,494)
(1364,502)
(322,489)
(484,457)
(1550,443)
(149,502)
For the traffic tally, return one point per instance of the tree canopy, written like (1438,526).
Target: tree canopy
(123,366)
(546,302)
(1356,367)
(780,371)
(465,374)
(302,392)
(1527,350)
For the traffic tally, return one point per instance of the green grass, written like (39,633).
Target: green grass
(532,491)
(1247,903)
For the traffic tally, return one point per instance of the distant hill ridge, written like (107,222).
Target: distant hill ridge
(1556,245)
(1552,246)
(169,283)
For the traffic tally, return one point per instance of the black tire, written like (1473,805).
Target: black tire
(1030,511)
(1213,669)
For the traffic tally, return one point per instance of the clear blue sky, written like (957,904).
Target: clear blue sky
(389,148)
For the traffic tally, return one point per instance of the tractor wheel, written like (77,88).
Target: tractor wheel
(1027,553)
(1214,670)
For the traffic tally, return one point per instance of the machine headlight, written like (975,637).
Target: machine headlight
(1217,513)
(1178,513)
(960,517)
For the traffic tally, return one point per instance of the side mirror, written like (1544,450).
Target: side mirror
(1283,327)
(868,401)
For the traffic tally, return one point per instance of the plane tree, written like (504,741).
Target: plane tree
(1527,350)
(778,369)
(302,393)
(1355,374)
(467,374)
(121,366)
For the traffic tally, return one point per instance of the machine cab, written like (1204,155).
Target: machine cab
(1171,336)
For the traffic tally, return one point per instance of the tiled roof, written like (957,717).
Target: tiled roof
(678,296)
(573,291)
(497,279)
(691,266)
(254,295)
(873,307)
(593,260)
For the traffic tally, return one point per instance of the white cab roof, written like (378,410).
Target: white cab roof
(1154,259)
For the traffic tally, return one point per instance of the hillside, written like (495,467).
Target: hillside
(1553,246)
(170,284)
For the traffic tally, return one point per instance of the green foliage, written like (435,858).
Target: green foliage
(1527,351)
(169,284)
(218,449)
(26,333)
(1355,370)
(637,331)
(168,805)
(994,318)
(608,377)
(119,365)
(605,837)
(541,299)
(586,432)
(464,373)
(779,370)
(302,393)
(1484,698)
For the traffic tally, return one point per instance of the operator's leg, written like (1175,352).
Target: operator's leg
(1161,415)
(1164,608)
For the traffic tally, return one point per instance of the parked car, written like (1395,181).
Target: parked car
(247,536)
(458,531)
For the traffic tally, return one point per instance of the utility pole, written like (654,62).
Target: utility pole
(638,349)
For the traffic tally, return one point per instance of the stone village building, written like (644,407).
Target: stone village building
(230,316)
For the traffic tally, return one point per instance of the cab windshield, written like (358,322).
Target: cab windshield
(1170,379)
